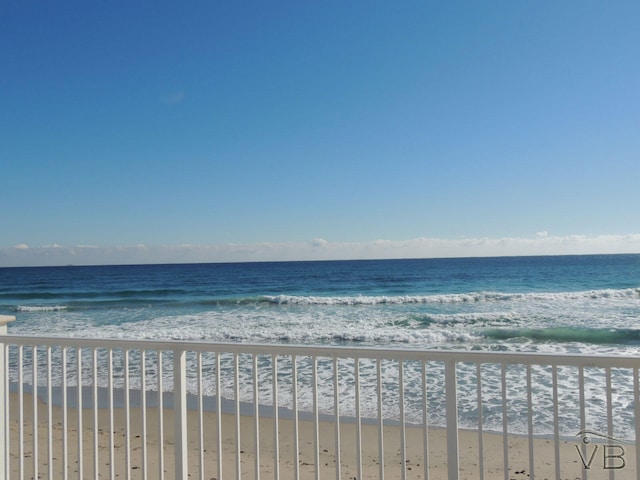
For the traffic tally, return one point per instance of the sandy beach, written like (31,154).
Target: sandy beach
(132,458)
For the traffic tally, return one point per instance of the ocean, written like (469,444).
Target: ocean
(553,304)
(560,304)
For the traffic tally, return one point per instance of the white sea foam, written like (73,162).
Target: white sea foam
(472,297)
(369,327)
(234,328)
(40,308)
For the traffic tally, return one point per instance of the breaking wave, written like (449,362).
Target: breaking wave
(472,297)
(40,308)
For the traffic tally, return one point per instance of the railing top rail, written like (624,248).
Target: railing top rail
(458,356)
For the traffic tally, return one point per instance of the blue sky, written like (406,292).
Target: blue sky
(228,131)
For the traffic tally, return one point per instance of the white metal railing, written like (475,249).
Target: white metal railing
(89,408)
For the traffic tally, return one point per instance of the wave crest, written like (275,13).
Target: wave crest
(472,297)
(40,308)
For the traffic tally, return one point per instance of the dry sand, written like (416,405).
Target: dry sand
(571,464)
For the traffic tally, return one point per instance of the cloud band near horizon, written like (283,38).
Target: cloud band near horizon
(318,249)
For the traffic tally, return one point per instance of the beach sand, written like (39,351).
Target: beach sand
(571,463)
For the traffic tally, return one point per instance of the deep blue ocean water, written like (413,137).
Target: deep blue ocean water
(587,304)
(555,304)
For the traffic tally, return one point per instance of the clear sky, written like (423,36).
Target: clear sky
(153,131)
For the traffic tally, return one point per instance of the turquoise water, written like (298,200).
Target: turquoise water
(588,304)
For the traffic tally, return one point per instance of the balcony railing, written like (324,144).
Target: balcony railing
(136,409)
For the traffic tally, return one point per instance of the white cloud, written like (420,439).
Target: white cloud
(320,249)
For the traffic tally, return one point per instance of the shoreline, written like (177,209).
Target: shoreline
(130,450)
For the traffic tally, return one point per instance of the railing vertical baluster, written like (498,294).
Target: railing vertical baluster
(403,425)
(96,464)
(143,408)
(236,395)
(180,414)
(49,414)
(380,420)
(583,421)
(5,440)
(218,415)
(336,402)
(4,401)
(636,416)
(127,417)
(296,427)
(610,413)
(480,421)
(112,460)
(505,419)
(609,390)
(356,373)
(34,373)
(79,402)
(316,426)
(20,412)
(556,419)
(256,415)
(276,437)
(160,382)
(425,420)
(530,421)
(5,404)
(65,408)
(451,393)
(200,417)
